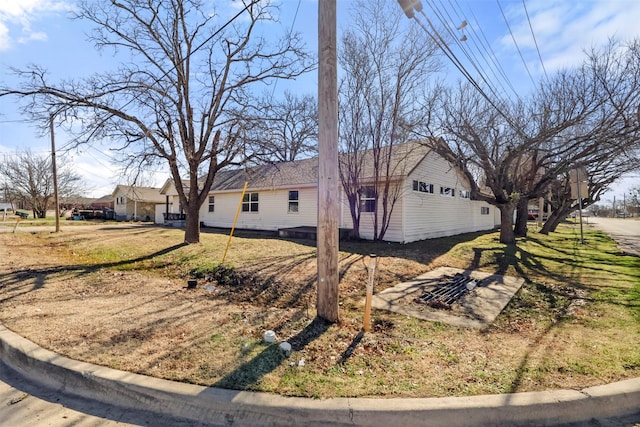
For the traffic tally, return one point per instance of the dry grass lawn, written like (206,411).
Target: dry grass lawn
(115,295)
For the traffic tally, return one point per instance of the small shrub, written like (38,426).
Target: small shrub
(224,275)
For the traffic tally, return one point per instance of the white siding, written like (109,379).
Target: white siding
(434,215)
(394,232)
(159,217)
(120,205)
(415,216)
(273,210)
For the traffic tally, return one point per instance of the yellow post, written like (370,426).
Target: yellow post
(366,322)
(235,221)
(16,226)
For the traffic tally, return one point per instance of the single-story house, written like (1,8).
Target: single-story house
(135,203)
(433,198)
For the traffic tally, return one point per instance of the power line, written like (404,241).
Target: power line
(26,121)
(482,44)
(295,17)
(534,39)
(469,53)
(437,38)
(515,42)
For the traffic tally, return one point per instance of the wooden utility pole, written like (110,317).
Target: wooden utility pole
(328,207)
(55,175)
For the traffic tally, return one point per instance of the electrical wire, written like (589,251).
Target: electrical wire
(437,38)
(481,43)
(515,42)
(534,40)
(470,55)
(295,17)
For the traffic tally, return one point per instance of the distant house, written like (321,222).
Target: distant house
(135,203)
(433,198)
(104,202)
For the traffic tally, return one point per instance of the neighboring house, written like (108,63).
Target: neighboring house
(433,199)
(135,203)
(104,202)
(169,212)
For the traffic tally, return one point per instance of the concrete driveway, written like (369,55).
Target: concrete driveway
(625,231)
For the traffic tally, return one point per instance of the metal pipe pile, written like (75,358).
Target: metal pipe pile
(446,293)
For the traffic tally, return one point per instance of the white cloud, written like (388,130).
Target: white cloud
(564,30)
(17,19)
(35,36)
(5,40)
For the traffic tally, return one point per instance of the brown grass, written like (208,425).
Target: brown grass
(115,295)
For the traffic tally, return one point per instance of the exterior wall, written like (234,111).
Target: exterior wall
(394,232)
(429,215)
(143,211)
(273,205)
(126,209)
(160,210)
(416,215)
(120,202)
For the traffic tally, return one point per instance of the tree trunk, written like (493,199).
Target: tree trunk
(522,216)
(355,218)
(192,231)
(552,222)
(507,235)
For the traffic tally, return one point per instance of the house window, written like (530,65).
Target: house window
(464,194)
(422,187)
(447,191)
(484,210)
(293,201)
(250,202)
(120,200)
(212,203)
(368,199)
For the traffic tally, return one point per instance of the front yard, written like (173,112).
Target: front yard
(116,295)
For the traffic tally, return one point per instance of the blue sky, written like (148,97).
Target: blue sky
(40,32)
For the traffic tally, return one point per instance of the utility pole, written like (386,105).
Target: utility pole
(55,175)
(328,207)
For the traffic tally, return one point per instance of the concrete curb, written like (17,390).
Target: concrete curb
(238,408)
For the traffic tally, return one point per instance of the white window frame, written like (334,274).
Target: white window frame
(212,203)
(294,202)
(422,187)
(448,191)
(251,203)
(368,199)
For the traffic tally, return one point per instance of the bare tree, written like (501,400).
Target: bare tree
(607,142)
(285,130)
(386,64)
(578,117)
(180,96)
(28,178)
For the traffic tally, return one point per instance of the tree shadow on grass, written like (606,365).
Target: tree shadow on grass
(553,293)
(38,276)
(249,374)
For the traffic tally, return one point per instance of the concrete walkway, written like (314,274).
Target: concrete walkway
(616,404)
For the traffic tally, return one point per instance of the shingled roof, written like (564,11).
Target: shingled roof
(299,172)
(140,194)
(404,158)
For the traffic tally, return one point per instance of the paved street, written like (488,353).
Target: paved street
(23,403)
(625,231)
